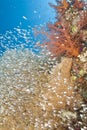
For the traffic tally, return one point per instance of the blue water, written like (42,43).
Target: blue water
(18,18)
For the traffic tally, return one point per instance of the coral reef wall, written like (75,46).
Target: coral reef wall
(41,92)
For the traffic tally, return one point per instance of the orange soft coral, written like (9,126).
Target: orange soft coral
(62,7)
(60,39)
(61,42)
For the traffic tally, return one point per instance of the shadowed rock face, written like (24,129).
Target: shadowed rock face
(30,98)
(60,94)
(61,91)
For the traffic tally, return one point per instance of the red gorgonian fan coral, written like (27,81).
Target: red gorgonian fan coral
(65,35)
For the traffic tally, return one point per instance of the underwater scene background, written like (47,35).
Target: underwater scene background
(17,18)
(43,65)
